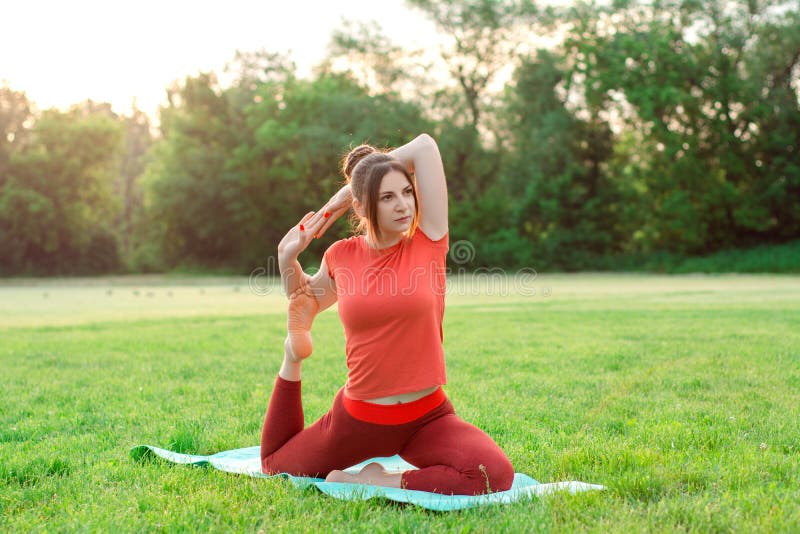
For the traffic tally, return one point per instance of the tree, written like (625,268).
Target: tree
(57,206)
(365,52)
(485,37)
(770,206)
(137,141)
(698,81)
(186,197)
(16,118)
(562,202)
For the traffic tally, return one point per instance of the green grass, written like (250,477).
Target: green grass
(680,394)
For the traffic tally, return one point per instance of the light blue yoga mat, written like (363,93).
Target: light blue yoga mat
(247,461)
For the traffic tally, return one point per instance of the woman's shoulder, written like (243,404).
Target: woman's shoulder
(347,243)
(441,242)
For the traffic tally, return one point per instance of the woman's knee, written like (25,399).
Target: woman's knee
(267,466)
(272,465)
(497,474)
(283,461)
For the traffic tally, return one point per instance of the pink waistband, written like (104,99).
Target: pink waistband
(393,414)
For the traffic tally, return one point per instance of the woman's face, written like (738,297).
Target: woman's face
(396,204)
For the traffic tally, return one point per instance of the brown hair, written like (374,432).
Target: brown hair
(364,167)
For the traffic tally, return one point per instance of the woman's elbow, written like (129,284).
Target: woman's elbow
(427,139)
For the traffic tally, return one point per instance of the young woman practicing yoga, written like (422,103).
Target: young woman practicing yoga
(389,281)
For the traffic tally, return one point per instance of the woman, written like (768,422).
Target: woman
(389,282)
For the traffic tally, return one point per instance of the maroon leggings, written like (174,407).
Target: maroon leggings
(453,456)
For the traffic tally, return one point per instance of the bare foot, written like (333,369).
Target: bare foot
(372,474)
(303,307)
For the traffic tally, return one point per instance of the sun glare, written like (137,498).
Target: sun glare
(126,52)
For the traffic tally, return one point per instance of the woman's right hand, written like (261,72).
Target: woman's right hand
(299,236)
(337,206)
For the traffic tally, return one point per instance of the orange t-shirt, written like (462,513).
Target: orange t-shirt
(391,303)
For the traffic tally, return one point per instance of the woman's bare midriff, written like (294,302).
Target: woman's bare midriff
(403,397)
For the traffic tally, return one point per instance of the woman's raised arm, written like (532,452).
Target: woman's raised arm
(421,156)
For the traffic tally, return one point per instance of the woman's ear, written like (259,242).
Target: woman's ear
(358,208)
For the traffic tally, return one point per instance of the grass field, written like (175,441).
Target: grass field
(680,394)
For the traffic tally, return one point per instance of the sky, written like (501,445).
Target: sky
(61,53)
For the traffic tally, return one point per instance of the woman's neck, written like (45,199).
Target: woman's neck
(385,243)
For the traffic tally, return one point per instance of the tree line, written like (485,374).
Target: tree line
(649,128)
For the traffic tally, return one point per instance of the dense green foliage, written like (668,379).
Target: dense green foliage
(649,130)
(56,202)
(68,186)
(680,394)
(233,174)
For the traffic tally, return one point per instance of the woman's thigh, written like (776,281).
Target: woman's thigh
(453,447)
(335,441)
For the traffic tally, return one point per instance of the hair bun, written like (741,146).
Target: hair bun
(353,157)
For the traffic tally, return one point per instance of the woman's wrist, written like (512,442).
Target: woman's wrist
(288,265)
(292,274)
(343,194)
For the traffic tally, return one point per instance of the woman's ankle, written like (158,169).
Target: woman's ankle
(292,366)
(291,370)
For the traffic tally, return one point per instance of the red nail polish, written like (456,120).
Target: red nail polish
(302,228)
(327,214)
